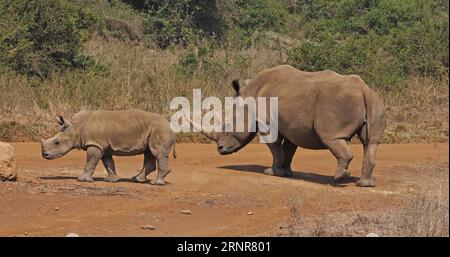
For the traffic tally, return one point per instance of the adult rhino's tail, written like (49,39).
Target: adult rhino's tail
(375,120)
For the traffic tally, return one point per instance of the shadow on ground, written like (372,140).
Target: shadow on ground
(300,175)
(95,179)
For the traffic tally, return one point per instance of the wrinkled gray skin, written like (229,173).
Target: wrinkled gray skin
(103,134)
(316,110)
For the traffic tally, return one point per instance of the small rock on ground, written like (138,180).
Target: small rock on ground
(8,169)
(186,212)
(148,227)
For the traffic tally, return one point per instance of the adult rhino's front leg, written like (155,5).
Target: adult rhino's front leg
(93,156)
(282,154)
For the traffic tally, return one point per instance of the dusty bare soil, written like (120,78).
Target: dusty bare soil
(227,195)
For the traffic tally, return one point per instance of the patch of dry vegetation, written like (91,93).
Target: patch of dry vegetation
(139,77)
(424,213)
(123,69)
(419,112)
(134,77)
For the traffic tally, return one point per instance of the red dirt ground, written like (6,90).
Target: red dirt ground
(219,190)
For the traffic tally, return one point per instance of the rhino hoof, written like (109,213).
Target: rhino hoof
(158,182)
(138,179)
(288,173)
(112,179)
(341,176)
(268,171)
(277,172)
(365,182)
(85,179)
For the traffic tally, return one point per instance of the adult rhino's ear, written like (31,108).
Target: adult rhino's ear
(236,86)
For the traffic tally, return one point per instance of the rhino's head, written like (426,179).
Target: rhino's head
(61,143)
(230,142)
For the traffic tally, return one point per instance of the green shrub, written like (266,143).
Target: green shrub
(385,41)
(188,64)
(260,15)
(43,36)
(173,22)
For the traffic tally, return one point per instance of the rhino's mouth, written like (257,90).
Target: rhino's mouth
(50,156)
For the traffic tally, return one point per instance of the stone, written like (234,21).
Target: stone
(372,235)
(148,227)
(8,169)
(186,212)
(72,235)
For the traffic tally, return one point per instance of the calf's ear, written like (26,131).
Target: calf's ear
(63,122)
(60,120)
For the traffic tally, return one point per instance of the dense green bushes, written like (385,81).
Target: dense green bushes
(40,37)
(385,41)
(174,22)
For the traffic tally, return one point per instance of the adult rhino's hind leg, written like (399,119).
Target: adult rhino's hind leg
(93,155)
(344,156)
(366,179)
(148,167)
(110,167)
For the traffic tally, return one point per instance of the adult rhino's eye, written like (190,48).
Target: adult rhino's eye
(56,142)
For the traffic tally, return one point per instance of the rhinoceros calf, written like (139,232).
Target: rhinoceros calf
(103,134)
(316,110)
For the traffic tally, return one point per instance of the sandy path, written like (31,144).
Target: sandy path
(219,190)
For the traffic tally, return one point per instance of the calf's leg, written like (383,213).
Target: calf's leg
(110,167)
(93,155)
(163,169)
(148,167)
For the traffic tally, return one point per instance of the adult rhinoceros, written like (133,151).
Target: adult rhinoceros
(316,110)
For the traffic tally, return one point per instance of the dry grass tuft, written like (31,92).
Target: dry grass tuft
(424,213)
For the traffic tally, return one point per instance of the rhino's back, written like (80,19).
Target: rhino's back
(287,81)
(123,132)
(308,100)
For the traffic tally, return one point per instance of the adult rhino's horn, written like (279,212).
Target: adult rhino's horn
(211,135)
